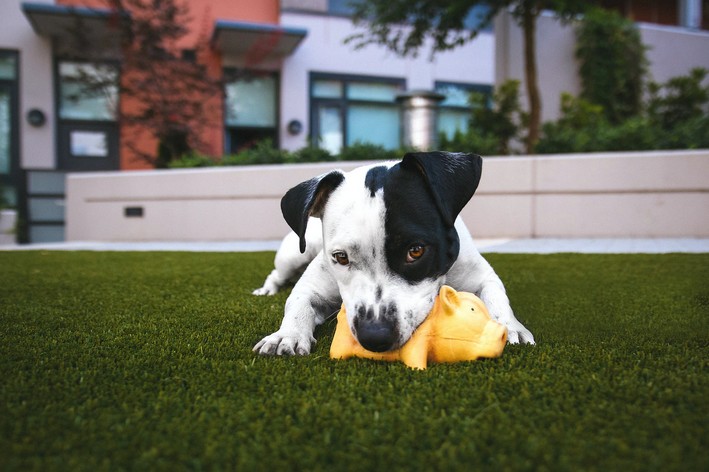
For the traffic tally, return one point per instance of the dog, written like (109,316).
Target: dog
(382,240)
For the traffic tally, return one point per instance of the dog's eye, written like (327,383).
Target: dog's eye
(415,252)
(341,258)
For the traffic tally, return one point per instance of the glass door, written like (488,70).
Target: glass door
(87,131)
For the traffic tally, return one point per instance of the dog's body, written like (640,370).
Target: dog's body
(390,238)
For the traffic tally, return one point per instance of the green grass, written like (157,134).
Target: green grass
(143,361)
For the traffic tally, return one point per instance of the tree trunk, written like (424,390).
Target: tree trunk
(529,23)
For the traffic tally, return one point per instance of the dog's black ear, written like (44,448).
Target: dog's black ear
(452,178)
(308,199)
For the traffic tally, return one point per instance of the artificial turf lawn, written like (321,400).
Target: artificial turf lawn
(143,361)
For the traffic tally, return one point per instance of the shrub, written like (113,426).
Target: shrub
(612,63)
(681,99)
(675,117)
(263,152)
(367,152)
(582,127)
(576,129)
(503,119)
(690,134)
(470,141)
(311,154)
(192,160)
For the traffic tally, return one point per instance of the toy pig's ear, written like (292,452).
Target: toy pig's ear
(449,299)
(308,199)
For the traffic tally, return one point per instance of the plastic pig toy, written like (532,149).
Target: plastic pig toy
(458,328)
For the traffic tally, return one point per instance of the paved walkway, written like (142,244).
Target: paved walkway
(520,246)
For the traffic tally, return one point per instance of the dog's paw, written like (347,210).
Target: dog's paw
(518,334)
(285,344)
(265,290)
(271,285)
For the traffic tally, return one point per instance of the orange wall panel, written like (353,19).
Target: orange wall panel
(258,11)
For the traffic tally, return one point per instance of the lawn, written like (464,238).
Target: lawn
(142,361)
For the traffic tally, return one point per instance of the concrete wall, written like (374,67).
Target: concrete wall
(672,51)
(634,194)
(660,194)
(36,144)
(323,51)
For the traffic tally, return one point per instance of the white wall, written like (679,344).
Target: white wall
(37,149)
(323,51)
(674,51)
(637,194)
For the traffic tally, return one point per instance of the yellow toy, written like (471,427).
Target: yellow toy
(458,328)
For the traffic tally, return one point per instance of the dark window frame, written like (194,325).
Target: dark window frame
(231,74)
(342,102)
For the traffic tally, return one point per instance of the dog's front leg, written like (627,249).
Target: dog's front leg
(492,292)
(313,297)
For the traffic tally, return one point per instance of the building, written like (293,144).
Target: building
(286,74)
(284,71)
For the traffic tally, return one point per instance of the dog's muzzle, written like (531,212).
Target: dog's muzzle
(376,333)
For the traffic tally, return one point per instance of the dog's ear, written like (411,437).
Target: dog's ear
(452,178)
(308,199)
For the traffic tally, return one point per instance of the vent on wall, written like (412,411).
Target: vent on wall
(133,212)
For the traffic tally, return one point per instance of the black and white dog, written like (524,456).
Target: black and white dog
(381,239)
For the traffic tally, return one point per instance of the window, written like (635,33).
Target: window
(88,91)
(349,110)
(251,110)
(454,111)
(341,7)
(473,20)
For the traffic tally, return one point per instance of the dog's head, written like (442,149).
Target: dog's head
(388,237)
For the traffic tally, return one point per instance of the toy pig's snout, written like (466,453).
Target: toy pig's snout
(493,339)
(503,336)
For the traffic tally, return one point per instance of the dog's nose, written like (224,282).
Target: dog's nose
(376,335)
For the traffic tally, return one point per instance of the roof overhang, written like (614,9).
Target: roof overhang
(78,26)
(256,42)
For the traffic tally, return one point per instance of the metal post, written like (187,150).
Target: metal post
(419,116)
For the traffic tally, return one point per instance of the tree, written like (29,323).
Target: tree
(403,26)
(169,95)
(167,79)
